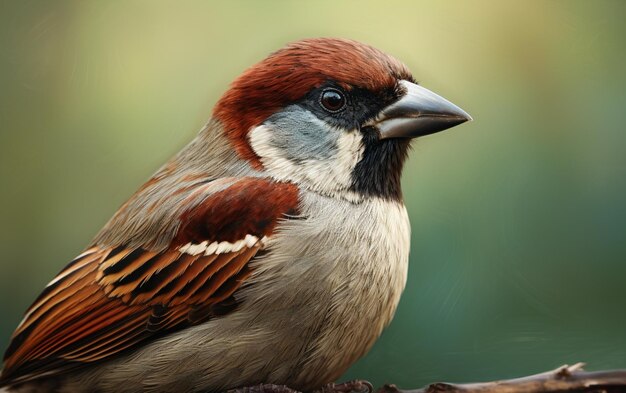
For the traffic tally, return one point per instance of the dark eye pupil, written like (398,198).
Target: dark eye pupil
(332,100)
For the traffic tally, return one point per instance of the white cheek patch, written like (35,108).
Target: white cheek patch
(222,247)
(329,176)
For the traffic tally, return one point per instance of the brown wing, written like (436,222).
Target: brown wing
(106,301)
(110,299)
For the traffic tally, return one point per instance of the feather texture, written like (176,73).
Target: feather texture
(110,299)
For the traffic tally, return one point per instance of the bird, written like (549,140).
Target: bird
(272,249)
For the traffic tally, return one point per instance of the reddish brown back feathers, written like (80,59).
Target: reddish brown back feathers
(288,74)
(249,207)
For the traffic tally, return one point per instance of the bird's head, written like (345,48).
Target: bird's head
(332,115)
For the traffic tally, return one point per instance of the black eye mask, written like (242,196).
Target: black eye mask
(360,105)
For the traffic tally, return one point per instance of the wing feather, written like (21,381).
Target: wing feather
(113,298)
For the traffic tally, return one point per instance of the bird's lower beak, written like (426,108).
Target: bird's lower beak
(419,112)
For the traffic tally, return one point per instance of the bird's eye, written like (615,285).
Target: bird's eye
(332,100)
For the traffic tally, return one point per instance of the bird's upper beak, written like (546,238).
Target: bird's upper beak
(419,112)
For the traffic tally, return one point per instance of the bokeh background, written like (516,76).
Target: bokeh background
(518,260)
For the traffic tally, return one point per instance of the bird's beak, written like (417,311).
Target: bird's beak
(419,112)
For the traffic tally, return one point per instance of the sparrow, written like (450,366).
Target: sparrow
(273,248)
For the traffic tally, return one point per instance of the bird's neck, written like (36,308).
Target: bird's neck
(211,154)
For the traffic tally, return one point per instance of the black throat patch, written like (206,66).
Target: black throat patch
(379,171)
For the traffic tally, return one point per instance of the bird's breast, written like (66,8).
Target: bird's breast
(347,269)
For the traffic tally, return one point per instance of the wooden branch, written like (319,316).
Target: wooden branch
(563,379)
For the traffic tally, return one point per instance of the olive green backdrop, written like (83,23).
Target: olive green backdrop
(518,260)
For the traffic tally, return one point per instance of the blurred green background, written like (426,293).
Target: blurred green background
(518,260)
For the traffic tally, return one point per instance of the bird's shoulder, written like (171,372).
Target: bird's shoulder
(123,291)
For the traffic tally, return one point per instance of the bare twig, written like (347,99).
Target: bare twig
(570,379)
(563,379)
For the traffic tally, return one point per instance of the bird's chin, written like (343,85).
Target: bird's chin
(379,171)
